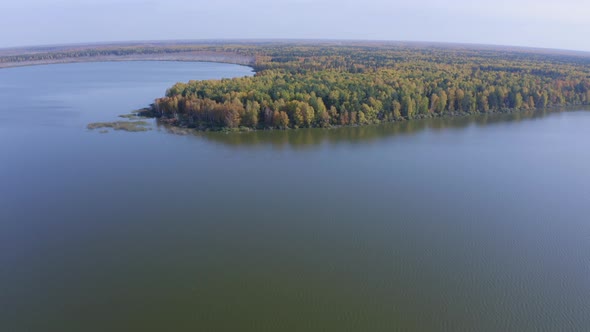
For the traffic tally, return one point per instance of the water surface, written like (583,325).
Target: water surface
(473,224)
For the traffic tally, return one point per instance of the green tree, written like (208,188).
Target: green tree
(408,107)
(422,105)
(396,109)
(250,118)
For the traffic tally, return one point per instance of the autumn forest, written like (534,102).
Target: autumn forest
(299,86)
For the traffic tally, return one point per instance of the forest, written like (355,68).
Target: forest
(297,86)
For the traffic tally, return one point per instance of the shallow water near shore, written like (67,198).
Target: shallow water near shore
(476,223)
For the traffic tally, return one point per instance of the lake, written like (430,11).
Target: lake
(470,224)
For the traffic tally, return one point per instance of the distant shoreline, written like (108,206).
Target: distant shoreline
(173,57)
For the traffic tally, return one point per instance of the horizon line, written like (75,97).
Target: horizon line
(287,40)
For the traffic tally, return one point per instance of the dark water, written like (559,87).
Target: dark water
(479,224)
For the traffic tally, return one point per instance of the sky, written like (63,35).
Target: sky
(563,24)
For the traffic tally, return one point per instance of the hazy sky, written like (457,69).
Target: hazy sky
(542,23)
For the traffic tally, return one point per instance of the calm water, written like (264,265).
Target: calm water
(478,224)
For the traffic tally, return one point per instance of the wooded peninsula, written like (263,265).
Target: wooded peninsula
(299,86)
(325,84)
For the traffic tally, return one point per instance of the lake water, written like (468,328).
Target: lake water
(472,224)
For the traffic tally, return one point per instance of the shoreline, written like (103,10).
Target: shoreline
(215,57)
(449,116)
